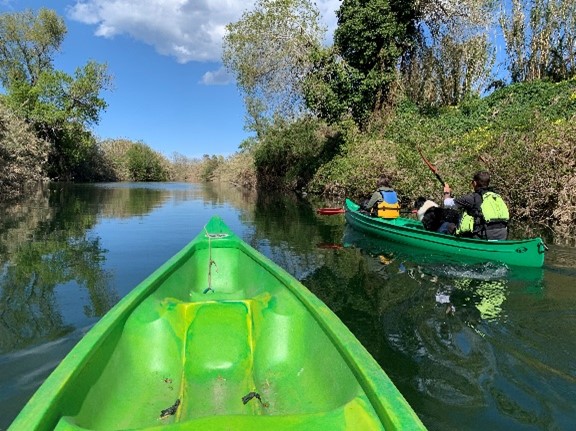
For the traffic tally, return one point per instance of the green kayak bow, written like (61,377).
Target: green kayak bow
(218,338)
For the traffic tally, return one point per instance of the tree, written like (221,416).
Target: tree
(540,39)
(27,44)
(331,88)
(145,164)
(371,38)
(60,107)
(268,51)
(453,57)
(22,156)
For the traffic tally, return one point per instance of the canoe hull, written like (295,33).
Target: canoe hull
(527,253)
(218,338)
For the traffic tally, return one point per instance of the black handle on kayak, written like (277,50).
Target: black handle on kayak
(432,168)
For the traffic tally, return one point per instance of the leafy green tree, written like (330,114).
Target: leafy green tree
(330,89)
(371,37)
(209,167)
(28,43)
(60,107)
(268,51)
(453,57)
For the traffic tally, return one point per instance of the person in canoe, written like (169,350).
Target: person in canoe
(436,218)
(485,214)
(384,201)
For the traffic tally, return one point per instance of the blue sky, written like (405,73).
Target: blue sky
(169,88)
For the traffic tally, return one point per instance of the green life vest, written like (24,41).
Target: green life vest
(492,209)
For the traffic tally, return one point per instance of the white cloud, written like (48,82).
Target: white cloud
(217,77)
(188,30)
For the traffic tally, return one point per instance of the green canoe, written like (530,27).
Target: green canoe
(526,252)
(218,338)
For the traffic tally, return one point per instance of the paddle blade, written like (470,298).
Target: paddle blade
(330,211)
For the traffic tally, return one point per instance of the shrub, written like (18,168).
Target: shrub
(23,156)
(523,134)
(134,161)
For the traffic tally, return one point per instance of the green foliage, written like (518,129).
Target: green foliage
(28,43)
(330,88)
(540,38)
(371,37)
(59,107)
(145,164)
(125,160)
(238,170)
(209,166)
(290,153)
(523,135)
(268,52)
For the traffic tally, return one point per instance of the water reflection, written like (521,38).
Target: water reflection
(49,258)
(48,266)
(440,328)
(471,345)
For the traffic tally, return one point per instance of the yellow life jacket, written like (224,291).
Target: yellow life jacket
(386,210)
(389,207)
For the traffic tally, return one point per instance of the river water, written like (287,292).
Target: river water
(471,347)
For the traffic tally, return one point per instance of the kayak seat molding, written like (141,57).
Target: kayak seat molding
(271,338)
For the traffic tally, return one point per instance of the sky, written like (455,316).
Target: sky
(170,90)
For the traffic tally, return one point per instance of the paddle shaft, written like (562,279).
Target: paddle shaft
(432,168)
(334,211)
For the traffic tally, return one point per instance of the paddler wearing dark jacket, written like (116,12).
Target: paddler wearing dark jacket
(485,214)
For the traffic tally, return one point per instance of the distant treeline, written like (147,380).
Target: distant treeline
(46,116)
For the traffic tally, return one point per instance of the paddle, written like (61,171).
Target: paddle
(432,168)
(333,211)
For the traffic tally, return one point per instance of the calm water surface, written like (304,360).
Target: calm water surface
(471,346)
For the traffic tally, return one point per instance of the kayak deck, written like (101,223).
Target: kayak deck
(219,339)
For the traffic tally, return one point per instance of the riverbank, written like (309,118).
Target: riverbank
(523,134)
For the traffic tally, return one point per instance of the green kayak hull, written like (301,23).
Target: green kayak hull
(218,338)
(526,252)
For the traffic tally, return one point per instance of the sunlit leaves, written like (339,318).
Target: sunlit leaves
(540,39)
(22,156)
(28,43)
(58,106)
(268,51)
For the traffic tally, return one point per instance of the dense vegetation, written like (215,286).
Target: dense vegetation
(523,134)
(403,76)
(46,115)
